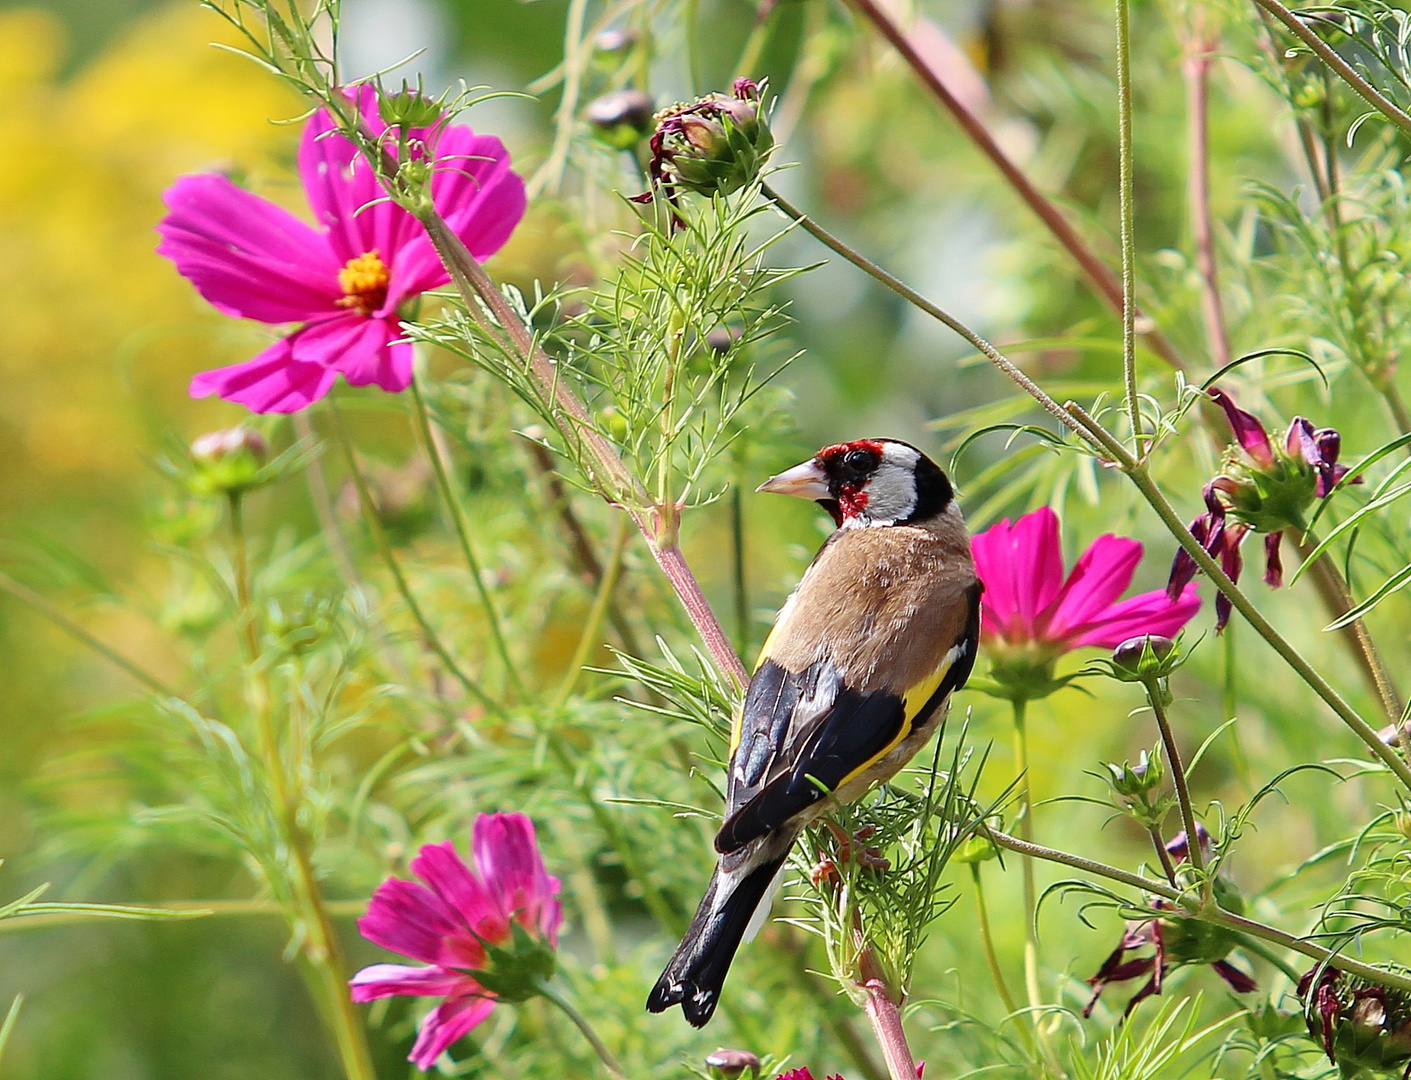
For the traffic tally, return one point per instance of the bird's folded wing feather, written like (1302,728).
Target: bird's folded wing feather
(805,730)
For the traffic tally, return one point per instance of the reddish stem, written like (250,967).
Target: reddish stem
(885,1017)
(1108,287)
(1196,69)
(673,564)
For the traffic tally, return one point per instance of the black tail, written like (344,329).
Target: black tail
(697,971)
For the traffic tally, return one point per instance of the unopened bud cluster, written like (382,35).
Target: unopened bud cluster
(227,462)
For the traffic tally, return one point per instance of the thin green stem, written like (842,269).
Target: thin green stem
(988,943)
(1032,990)
(1125,210)
(384,548)
(1156,695)
(41,606)
(1344,70)
(906,292)
(592,628)
(1338,600)
(456,513)
(1320,686)
(581,1023)
(319,939)
(322,503)
(1026,831)
(1210,913)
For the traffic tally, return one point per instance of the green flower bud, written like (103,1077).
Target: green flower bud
(409,108)
(732,1064)
(615,39)
(1136,781)
(621,119)
(227,462)
(976,849)
(1147,657)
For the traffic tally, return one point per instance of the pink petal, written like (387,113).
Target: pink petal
(410,919)
(1098,580)
(480,197)
(275,381)
(507,856)
(392,980)
(360,348)
(344,193)
(1022,568)
(248,257)
(441,867)
(1146,613)
(445,1024)
(990,550)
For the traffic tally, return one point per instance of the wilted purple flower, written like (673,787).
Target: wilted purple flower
(715,145)
(1359,1025)
(1176,942)
(1263,488)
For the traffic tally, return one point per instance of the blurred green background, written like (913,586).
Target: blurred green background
(103,102)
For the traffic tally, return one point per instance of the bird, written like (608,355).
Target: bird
(851,682)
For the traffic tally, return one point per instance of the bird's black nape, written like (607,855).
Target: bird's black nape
(933,491)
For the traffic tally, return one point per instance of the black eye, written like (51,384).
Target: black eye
(858,459)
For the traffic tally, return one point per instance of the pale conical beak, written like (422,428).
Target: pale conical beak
(807,481)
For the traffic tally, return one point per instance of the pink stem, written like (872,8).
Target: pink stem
(885,1017)
(673,564)
(614,479)
(1197,72)
(1106,283)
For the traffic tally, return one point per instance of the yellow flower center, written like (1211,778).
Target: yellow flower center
(364,283)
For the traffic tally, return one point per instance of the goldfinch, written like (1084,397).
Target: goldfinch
(852,681)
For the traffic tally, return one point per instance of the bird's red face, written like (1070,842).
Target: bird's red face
(850,468)
(868,482)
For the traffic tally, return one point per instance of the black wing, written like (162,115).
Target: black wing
(803,734)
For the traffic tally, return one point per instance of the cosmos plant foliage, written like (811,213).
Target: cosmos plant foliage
(486,703)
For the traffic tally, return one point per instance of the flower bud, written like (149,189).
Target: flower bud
(1147,657)
(621,119)
(227,462)
(1137,781)
(976,849)
(732,1064)
(615,39)
(713,146)
(409,108)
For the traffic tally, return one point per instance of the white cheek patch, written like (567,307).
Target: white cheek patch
(891,494)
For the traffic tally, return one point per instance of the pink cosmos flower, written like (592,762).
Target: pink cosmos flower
(462,923)
(1029,605)
(347,280)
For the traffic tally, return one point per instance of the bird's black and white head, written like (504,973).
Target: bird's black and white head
(869,482)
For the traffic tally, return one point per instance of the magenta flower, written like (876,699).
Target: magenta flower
(1032,614)
(487,934)
(348,281)
(1264,489)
